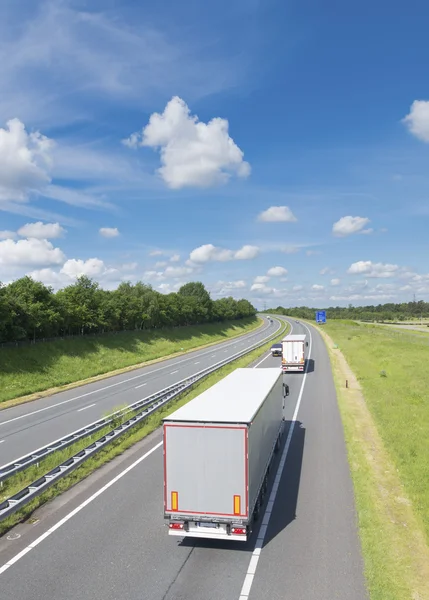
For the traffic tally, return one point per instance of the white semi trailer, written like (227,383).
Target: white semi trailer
(293,353)
(218,449)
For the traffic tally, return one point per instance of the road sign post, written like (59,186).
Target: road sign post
(320,316)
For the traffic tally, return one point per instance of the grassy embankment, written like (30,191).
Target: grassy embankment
(386,421)
(29,372)
(19,481)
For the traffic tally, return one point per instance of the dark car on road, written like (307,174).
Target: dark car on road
(276,350)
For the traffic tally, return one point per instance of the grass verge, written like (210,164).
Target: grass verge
(385,423)
(117,447)
(49,367)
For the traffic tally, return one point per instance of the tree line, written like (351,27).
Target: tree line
(403,311)
(29,310)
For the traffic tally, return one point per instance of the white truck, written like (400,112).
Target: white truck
(293,353)
(218,449)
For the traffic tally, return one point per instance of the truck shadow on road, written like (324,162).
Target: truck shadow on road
(284,509)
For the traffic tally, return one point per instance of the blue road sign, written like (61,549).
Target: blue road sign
(321,316)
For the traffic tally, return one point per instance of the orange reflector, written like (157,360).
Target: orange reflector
(237,505)
(174,500)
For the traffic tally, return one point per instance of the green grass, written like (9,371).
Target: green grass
(50,365)
(386,419)
(115,448)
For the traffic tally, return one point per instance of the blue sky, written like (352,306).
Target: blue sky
(277,151)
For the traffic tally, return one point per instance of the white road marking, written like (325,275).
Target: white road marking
(85,407)
(74,512)
(107,387)
(1,441)
(173,372)
(251,570)
(261,361)
(213,355)
(139,386)
(197,363)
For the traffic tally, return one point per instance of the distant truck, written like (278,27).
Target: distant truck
(276,350)
(293,353)
(218,449)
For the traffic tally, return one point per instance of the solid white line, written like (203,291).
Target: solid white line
(1,441)
(251,570)
(173,372)
(261,361)
(139,386)
(197,363)
(107,387)
(74,512)
(85,407)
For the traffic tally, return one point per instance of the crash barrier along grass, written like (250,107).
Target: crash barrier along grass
(119,445)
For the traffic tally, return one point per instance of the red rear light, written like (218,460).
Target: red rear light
(176,525)
(238,530)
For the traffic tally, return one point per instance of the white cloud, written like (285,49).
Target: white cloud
(156,253)
(349,225)
(208,252)
(297,288)
(290,249)
(276,271)
(154,275)
(129,266)
(277,214)
(312,252)
(261,279)
(29,252)
(367,231)
(225,288)
(335,281)
(109,232)
(261,288)
(168,288)
(324,271)
(25,160)
(317,288)
(370,269)
(92,267)
(175,258)
(193,153)
(417,119)
(177,272)
(7,235)
(160,264)
(42,231)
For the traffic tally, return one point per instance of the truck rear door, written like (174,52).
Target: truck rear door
(205,470)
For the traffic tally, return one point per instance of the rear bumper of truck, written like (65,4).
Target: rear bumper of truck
(289,368)
(212,531)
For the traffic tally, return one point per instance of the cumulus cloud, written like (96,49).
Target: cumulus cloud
(208,252)
(417,119)
(317,288)
(160,264)
(7,235)
(25,161)
(193,153)
(175,258)
(109,232)
(349,225)
(261,288)
(224,288)
(297,288)
(261,279)
(370,269)
(335,281)
(276,271)
(156,253)
(42,231)
(277,214)
(29,252)
(177,272)
(92,267)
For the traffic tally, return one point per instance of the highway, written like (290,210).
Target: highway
(30,426)
(105,538)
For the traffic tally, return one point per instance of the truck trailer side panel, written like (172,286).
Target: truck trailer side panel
(205,470)
(263,433)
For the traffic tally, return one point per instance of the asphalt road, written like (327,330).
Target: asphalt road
(30,426)
(106,539)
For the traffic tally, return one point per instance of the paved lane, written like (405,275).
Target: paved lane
(116,546)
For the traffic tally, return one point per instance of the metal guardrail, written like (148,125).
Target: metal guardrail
(34,457)
(156,401)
